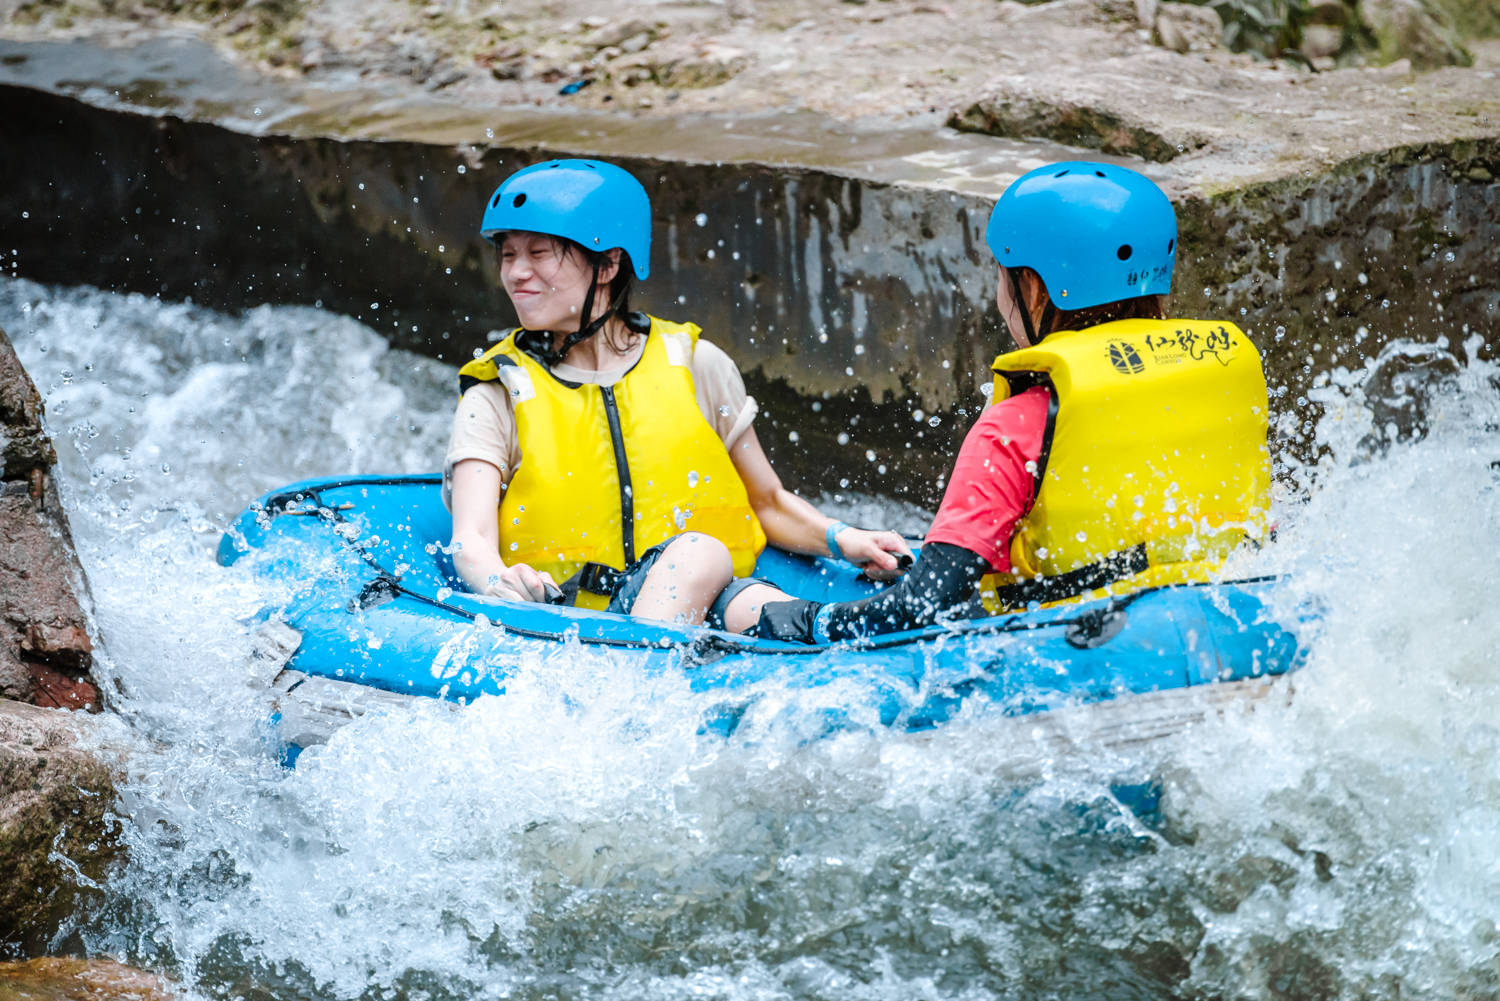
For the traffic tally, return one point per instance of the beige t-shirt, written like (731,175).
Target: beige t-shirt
(484,427)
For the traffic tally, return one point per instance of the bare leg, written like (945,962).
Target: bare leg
(744,611)
(685,580)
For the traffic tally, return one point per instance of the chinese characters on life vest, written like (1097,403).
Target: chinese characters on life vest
(1188,343)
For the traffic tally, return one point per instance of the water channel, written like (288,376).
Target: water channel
(579,838)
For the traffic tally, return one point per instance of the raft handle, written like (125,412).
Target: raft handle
(377,592)
(1096,628)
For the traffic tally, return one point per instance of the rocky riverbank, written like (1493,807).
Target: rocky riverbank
(45,650)
(55,795)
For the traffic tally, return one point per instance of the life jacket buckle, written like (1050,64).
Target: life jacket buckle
(597,578)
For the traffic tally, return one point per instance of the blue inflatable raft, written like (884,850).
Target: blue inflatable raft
(376,614)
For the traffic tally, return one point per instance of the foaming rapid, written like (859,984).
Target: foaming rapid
(580,838)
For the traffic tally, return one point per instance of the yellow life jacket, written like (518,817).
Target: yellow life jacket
(1154,464)
(608,472)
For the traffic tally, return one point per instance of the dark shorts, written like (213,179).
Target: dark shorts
(635,578)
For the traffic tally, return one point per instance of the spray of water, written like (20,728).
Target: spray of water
(580,838)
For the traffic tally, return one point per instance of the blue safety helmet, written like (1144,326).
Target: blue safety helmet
(1095,233)
(595,204)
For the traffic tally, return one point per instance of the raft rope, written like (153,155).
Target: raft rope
(700,647)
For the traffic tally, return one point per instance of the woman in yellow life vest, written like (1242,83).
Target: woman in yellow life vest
(1122,449)
(605,457)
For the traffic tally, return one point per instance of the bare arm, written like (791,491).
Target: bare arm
(476,537)
(793,524)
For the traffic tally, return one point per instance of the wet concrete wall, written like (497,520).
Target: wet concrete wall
(850,305)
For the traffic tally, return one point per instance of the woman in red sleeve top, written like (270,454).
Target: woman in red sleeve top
(1123,449)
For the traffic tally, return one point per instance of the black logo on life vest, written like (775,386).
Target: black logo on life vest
(1124,357)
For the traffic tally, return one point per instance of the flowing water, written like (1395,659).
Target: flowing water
(579,838)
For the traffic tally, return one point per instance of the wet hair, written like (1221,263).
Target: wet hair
(1141,307)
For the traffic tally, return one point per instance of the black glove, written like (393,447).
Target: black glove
(787,620)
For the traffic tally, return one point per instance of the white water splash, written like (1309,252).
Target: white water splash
(579,838)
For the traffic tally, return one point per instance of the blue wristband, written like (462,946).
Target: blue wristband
(831,537)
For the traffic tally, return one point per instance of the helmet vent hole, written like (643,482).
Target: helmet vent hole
(496,200)
(519,200)
(1171,245)
(1098,173)
(1124,252)
(1060,173)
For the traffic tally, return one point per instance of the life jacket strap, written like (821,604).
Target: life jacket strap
(1115,566)
(596,578)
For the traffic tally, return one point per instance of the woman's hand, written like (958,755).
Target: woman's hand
(519,582)
(879,554)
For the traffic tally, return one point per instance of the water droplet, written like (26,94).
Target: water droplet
(701,219)
(692,478)
(843,438)
(934,421)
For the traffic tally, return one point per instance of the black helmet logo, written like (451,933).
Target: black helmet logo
(1125,358)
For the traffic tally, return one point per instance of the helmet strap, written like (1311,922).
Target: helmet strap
(586,328)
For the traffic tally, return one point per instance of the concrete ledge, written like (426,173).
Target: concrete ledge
(850,283)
